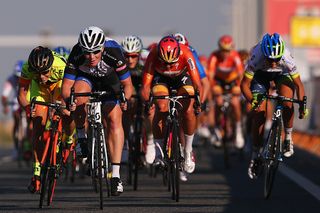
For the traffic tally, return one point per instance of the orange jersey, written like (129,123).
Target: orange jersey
(186,63)
(227,69)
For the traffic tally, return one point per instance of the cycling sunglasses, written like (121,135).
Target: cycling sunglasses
(94,52)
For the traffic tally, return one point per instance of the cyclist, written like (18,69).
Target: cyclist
(134,52)
(225,69)
(42,74)
(270,61)
(63,51)
(97,63)
(202,72)
(10,87)
(172,66)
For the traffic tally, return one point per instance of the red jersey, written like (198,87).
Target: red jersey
(227,69)
(186,62)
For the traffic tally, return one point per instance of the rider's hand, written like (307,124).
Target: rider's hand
(124,105)
(303,114)
(28,110)
(256,100)
(149,109)
(73,106)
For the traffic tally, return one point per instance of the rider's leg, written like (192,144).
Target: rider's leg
(115,135)
(286,88)
(80,115)
(236,104)
(159,120)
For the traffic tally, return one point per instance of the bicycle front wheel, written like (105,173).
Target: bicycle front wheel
(273,151)
(175,166)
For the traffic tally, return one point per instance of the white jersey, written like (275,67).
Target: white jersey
(258,63)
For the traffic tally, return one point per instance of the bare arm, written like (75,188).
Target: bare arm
(22,95)
(245,88)
(66,88)
(128,87)
(300,88)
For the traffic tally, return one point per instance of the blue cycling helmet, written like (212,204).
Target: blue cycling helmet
(18,67)
(61,50)
(272,46)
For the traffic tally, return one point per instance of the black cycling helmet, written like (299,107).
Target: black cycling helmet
(40,59)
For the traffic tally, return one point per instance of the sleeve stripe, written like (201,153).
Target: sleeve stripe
(295,75)
(69,76)
(124,76)
(121,68)
(248,75)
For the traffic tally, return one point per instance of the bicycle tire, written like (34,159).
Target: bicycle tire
(99,143)
(176,162)
(271,164)
(225,141)
(93,160)
(136,160)
(56,159)
(45,173)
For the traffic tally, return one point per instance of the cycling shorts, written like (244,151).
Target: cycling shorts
(261,81)
(109,83)
(182,83)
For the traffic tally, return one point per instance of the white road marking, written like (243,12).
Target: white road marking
(5,159)
(303,182)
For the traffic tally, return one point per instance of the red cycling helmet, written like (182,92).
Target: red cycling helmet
(225,42)
(169,49)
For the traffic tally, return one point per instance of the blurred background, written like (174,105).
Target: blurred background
(26,24)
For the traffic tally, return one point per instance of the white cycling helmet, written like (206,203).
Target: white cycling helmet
(91,39)
(132,44)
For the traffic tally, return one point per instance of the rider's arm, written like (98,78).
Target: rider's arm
(193,72)
(238,66)
(211,69)
(24,83)
(245,87)
(70,73)
(147,76)
(204,79)
(7,88)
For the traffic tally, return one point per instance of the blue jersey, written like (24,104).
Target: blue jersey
(202,73)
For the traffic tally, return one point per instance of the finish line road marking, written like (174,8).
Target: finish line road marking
(303,182)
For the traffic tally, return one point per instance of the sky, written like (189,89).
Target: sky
(201,21)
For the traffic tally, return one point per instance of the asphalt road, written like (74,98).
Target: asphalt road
(212,188)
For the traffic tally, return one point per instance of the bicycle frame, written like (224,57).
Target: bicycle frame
(49,162)
(272,150)
(171,146)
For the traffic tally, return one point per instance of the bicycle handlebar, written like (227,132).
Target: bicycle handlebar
(97,95)
(174,97)
(56,106)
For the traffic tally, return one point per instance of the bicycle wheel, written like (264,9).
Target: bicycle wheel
(55,168)
(225,140)
(100,164)
(273,147)
(93,158)
(176,162)
(45,172)
(136,154)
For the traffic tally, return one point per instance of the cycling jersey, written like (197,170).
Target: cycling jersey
(51,90)
(186,63)
(225,69)
(11,85)
(201,70)
(112,61)
(136,76)
(257,64)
